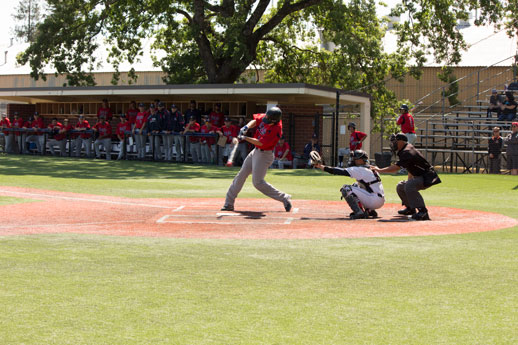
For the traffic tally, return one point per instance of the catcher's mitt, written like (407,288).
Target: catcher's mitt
(315,158)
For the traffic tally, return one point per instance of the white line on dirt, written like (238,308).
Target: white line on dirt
(22,226)
(81,199)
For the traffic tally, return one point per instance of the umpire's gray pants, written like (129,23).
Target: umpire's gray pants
(408,192)
(107,143)
(256,163)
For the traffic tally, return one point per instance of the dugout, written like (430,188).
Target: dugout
(307,108)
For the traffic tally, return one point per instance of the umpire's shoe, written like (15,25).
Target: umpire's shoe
(227,208)
(421,215)
(287,203)
(407,211)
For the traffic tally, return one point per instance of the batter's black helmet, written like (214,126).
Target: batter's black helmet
(273,115)
(351,124)
(403,107)
(359,154)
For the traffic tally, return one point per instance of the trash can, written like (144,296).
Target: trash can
(383,159)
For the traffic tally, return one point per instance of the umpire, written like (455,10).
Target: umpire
(421,175)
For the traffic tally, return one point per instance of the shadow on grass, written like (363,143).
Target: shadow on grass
(58,167)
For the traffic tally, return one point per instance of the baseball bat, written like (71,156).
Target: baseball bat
(235,142)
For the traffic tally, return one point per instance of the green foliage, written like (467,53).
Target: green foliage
(28,15)
(446,75)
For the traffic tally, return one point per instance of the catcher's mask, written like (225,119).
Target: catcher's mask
(393,141)
(273,115)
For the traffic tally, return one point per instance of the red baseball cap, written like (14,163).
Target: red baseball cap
(514,124)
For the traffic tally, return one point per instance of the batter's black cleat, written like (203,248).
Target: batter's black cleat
(287,204)
(407,211)
(373,214)
(421,215)
(227,208)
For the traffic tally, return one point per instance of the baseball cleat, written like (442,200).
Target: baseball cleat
(229,164)
(227,208)
(407,211)
(358,216)
(373,214)
(421,215)
(287,204)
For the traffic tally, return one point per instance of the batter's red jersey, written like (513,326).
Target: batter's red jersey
(280,149)
(268,135)
(355,140)
(230,132)
(406,121)
(141,119)
(208,140)
(217,119)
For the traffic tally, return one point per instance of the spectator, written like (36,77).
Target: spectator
(311,146)
(105,110)
(230,131)
(494,104)
(512,149)
(194,141)
(37,136)
(208,143)
(508,108)
(123,127)
(495,144)
(282,154)
(216,116)
(178,127)
(83,139)
(153,127)
(406,121)
(55,139)
(356,139)
(103,132)
(242,148)
(8,135)
(139,130)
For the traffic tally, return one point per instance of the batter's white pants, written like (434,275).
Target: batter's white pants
(256,163)
(369,201)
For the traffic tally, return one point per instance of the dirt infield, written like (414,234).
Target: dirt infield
(60,212)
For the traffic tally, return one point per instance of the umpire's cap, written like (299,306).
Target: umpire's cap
(273,115)
(359,154)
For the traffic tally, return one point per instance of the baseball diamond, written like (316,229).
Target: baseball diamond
(252,218)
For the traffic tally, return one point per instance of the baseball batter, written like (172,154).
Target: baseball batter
(364,196)
(268,133)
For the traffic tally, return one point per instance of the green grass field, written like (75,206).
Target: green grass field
(87,289)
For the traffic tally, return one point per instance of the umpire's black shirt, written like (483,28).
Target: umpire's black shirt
(412,160)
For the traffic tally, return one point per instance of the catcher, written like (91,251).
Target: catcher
(364,196)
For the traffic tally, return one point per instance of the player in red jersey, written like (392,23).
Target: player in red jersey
(55,138)
(18,123)
(230,131)
(356,139)
(406,121)
(282,154)
(104,132)
(194,141)
(208,147)
(122,127)
(139,130)
(8,135)
(37,136)
(83,139)
(216,116)
(105,110)
(268,133)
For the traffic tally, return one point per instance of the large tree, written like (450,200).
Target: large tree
(215,41)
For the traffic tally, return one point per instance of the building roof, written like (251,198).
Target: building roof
(259,93)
